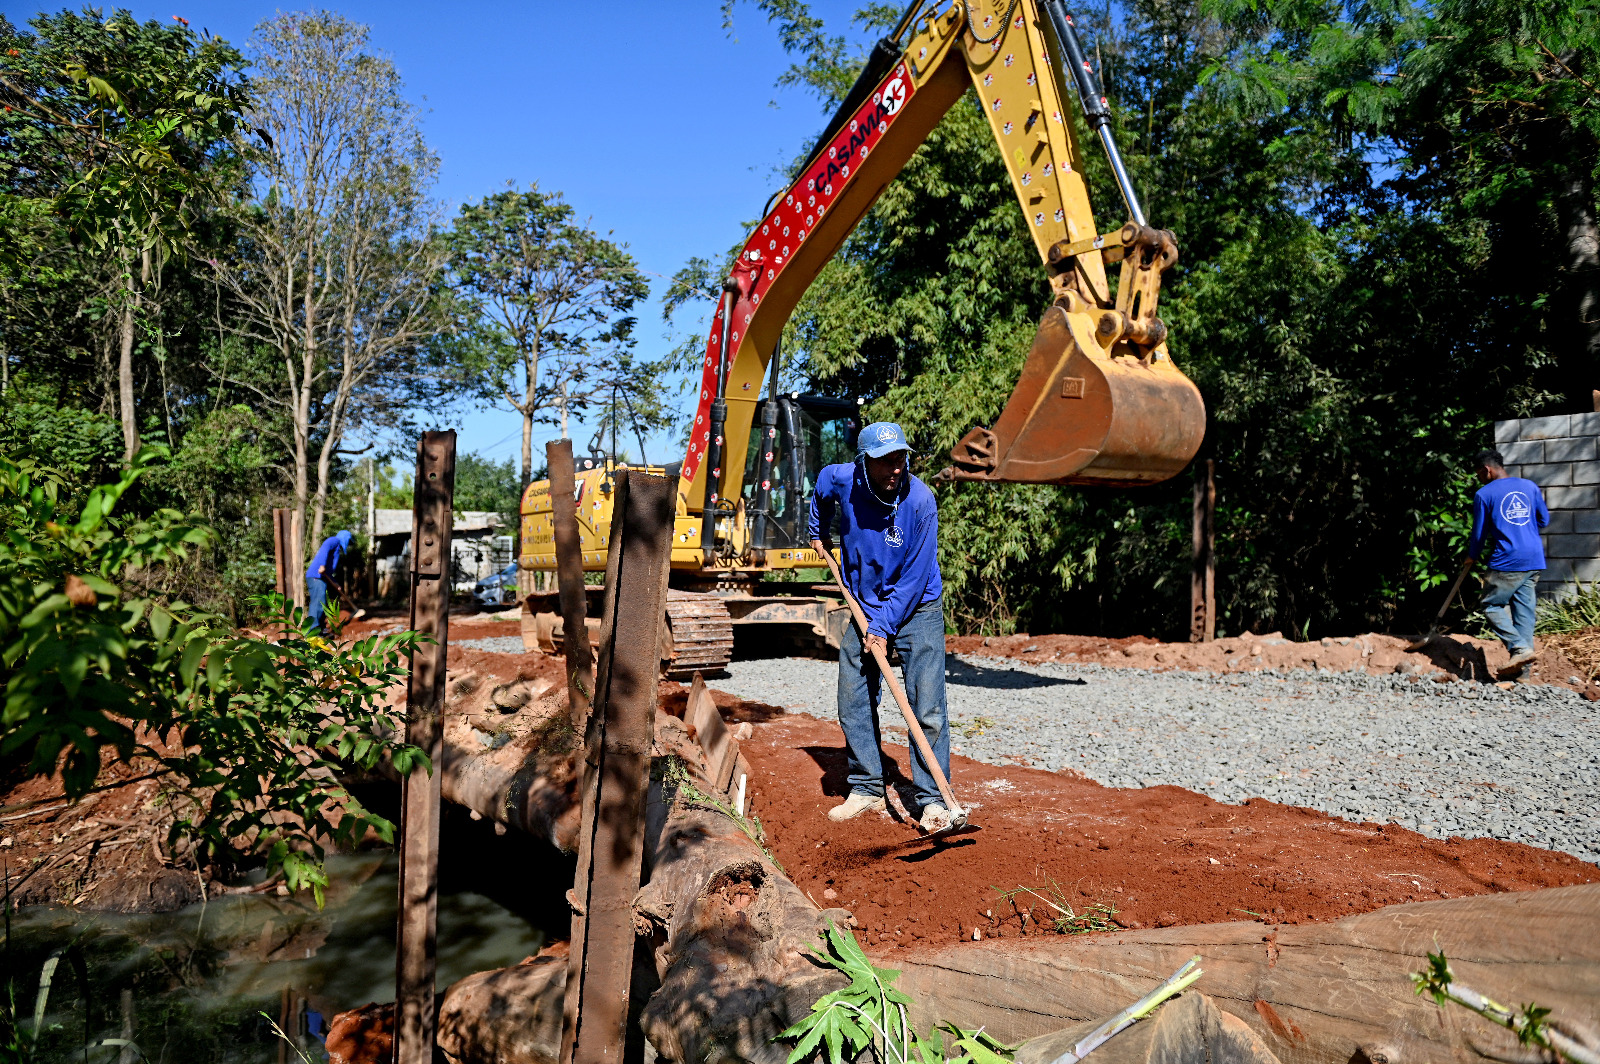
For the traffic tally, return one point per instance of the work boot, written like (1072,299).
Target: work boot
(935,817)
(1518,662)
(857,804)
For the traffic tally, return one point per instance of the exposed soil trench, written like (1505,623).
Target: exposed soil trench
(1152,857)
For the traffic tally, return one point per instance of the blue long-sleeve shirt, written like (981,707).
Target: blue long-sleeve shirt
(328,556)
(889,554)
(1507,515)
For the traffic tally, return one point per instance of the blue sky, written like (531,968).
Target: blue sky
(652,121)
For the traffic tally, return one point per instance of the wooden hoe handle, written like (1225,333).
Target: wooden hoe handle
(913,727)
(1466,567)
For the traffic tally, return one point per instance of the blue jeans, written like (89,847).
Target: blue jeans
(316,600)
(921,645)
(1508,604)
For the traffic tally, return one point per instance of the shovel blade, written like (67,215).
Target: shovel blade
(1081,414)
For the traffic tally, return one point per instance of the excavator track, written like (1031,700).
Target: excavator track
(700,632)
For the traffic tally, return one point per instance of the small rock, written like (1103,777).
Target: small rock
(830,894)
(743,730)
(7,842)
(1215,861)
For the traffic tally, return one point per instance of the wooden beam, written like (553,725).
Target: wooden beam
(569,569)
(1203,572)
(617,771)
(416,935)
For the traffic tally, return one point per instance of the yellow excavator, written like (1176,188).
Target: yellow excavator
(1098,402)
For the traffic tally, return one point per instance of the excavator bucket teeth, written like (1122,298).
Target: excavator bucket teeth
(1081,415)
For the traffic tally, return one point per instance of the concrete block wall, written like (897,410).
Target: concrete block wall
(1561,454)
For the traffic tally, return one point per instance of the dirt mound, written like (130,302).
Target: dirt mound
(1445,658)
(1059,848)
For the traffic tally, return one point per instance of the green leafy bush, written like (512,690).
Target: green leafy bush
(253,734)
(870,1014)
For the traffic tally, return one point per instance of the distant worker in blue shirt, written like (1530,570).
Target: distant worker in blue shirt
(1507,514)
(323,572)
(889,536)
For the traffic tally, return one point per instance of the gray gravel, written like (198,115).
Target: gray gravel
(494,644)
(1442,759)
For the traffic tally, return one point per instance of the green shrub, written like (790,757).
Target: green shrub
(261,730)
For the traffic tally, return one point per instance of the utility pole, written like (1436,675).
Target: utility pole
(372,528)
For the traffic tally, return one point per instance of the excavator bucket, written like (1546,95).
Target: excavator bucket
(1099,400)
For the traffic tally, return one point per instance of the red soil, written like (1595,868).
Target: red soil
(1158,856)
(1445,658)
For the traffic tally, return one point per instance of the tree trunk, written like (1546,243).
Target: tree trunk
(1575,211)
(530,368)
(130,424)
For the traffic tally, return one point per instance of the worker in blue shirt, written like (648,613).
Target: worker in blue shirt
(1507,514)
(322,573)
(889,537)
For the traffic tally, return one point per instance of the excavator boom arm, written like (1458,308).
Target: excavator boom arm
(1003,50)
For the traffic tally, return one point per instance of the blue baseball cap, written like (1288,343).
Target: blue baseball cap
(881,438)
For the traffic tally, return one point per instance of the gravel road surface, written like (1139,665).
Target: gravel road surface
(1442,759)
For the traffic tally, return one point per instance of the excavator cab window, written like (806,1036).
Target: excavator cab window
(813,431)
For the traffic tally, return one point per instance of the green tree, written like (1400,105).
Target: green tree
(487,486)
(126,128)
(1490,113)
(90,663)
(1353,324)
(337,274)
(549,294)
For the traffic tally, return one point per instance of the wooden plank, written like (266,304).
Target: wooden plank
(1332,988)
(617,742)
(416,933)
(569,575)
(718,743)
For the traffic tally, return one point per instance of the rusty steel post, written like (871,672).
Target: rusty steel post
(616,776)
(1202,573)
(569,570)
(415,938)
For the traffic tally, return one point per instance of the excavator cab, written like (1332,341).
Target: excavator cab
(806,432)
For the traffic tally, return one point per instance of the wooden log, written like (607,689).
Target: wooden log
(730,930)
(507,1016)
(520,769)
(1317,993)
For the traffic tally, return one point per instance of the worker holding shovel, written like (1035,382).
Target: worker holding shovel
(321,575)
(1507,514)
(889,531)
